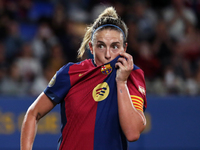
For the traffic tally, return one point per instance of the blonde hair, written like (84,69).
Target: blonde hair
(108,16)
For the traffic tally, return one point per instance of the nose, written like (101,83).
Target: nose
(108,56)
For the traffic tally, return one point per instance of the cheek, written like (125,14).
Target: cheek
(97,55)
(99,59)
(115,55)
(117,52)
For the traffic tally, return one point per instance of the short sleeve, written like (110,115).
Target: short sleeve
(59,85)
(137,88)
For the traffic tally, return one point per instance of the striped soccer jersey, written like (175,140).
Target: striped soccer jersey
(89,111)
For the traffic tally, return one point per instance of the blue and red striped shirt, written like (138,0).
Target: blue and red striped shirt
(89,108)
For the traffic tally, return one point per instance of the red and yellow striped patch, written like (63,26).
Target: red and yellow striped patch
(137,102)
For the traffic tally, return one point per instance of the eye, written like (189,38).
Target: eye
(101,46)
(115,47)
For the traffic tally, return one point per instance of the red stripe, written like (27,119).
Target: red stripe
(137,102)
(138,106)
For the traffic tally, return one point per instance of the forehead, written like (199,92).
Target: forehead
(108,34)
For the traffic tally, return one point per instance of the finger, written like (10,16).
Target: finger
(119,65)
(125,65)
(128,57)
(123,61)
(124,54)
(127,62)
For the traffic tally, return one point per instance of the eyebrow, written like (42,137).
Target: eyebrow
(111,43)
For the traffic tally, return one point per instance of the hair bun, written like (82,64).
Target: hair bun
(108,12)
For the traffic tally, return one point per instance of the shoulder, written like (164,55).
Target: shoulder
(87,63)
(136,78)
(78,65)
(137,71)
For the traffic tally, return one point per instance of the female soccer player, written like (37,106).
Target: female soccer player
(102,99)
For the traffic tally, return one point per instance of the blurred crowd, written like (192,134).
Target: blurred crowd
(39,37)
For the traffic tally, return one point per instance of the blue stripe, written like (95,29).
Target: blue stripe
(108,134)
(60,88)
(135,67)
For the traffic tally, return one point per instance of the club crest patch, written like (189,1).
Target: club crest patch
(106,69)
(52,82)
(101,92)
(142,90)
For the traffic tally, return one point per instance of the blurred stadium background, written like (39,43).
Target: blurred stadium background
(37,37)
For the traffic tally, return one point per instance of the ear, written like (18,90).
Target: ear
(125,48)
(91,48)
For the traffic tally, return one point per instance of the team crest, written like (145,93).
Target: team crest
(106,69)
(101,92)
(52,82)
(142,90)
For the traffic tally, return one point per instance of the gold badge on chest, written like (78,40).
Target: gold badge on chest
(106,69)
(101,92)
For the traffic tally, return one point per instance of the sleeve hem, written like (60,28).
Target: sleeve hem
(52,96)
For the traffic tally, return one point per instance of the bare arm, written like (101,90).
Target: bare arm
(131,120)
(40,107)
